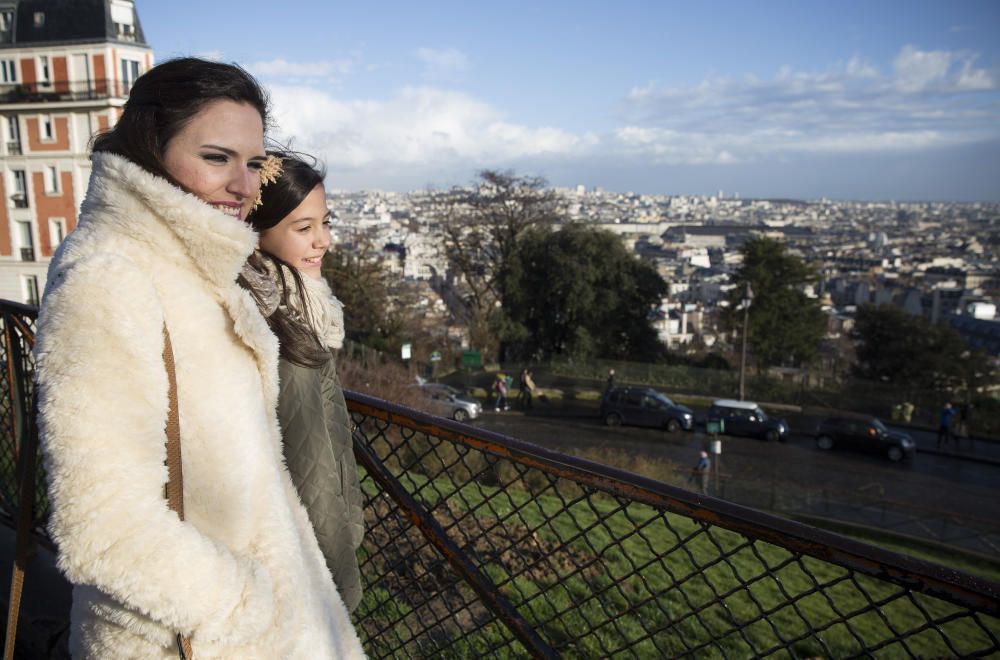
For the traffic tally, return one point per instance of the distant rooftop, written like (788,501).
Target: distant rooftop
(53,22)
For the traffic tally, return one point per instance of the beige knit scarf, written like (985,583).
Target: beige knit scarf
(325,311)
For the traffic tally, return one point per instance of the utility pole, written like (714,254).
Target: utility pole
(747,298)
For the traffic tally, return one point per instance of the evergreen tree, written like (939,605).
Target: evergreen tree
(577,292)
(786,325)
(900,348)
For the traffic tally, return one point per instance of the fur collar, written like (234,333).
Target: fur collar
(217,245)
(179,227)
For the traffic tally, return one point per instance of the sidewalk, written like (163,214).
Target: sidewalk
(967,449)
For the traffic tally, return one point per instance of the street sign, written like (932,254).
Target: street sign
(715,426)
(436,356)
(405,350)
(715,447)
(472,359)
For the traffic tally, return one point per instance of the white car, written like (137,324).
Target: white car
(446,401)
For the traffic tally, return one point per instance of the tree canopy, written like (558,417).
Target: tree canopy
(578,292)
(481,229)
(786,325)
(900,348)
(361,282)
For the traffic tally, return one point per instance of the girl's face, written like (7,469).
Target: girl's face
(303,236)
(217,156)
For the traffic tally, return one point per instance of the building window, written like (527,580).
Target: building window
(51,176)
(8,71)
(13,137)
(6,20)
(123,16)
(39,19)
(57,232)
(25,241)
(130,71)
(43,68)
(30,285)
(20,195)
(47,129)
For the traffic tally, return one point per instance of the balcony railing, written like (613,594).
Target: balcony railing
(13,148)
(27,254)
(20,200)
(479,544)
(75,90)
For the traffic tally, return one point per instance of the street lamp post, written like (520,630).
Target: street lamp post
(747,298)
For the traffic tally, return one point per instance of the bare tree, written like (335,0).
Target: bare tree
(481,229)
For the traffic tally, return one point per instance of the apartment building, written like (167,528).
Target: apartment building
(66,67)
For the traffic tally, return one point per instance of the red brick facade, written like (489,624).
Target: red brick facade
(60,74)
(5,246)
(61,127)
(53,206)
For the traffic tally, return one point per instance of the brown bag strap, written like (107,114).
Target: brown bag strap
(175,475)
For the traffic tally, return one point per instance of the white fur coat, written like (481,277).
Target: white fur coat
(242,575)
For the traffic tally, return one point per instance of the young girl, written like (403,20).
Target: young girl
(294,227)
(160,243)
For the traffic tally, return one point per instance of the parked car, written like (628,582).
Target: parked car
(644,406)
(866,434)
(747,419)
(446,401)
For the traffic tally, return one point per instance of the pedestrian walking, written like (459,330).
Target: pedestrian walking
(526,388)
(500,388)
(944,428)
(610,385)
(965,421)
(908,409)
(701,472)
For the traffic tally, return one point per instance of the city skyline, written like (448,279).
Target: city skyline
(802,100)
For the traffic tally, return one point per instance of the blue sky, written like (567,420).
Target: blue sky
(849,100)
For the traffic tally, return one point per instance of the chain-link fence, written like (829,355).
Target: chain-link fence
(480,544)
(17,421)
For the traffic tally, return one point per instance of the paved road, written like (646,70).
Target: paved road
(939,497)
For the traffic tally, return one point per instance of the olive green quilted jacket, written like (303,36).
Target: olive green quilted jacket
(316,429)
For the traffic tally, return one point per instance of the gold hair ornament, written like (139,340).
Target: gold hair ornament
(270,171)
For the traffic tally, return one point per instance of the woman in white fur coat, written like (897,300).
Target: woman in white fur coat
(160,243)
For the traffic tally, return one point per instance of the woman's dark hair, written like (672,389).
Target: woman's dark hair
(297,340)
(165,98)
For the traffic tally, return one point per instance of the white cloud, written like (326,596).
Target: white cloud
(917,69)
(850,108)
(928,99)
(319,69)
(443,64)
(419,126)
(213,55)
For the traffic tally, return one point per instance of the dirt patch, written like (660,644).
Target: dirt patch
(421,579)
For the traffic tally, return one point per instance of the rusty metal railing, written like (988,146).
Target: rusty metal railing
(479,544)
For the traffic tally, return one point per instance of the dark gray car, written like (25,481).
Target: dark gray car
(644,406)
(864,434)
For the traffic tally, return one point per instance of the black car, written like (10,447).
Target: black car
(644,406)
(747,419)
(866,434)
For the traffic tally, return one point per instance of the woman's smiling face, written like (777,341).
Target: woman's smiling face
(217,156)
(303,236)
